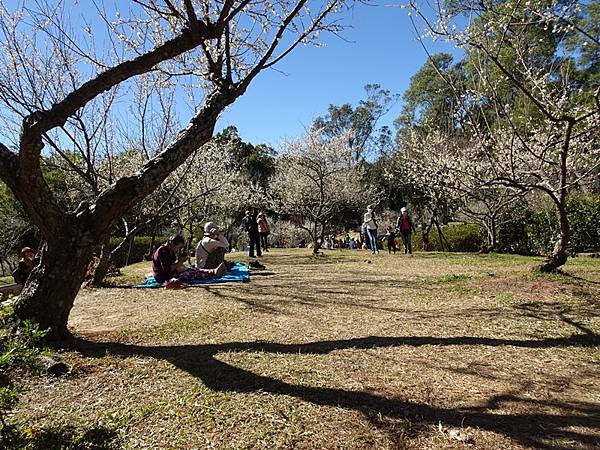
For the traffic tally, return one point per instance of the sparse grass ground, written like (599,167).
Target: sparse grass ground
(337,352)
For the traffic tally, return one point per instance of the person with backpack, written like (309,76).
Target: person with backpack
(405,226)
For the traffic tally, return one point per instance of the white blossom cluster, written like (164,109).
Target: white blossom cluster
(315,181)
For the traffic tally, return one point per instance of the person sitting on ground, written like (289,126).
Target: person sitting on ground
(166,265)
(113,269)
(211,250)
(25,266)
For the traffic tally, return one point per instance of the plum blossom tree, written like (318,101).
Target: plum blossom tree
(315,181)
(54,77)
(425,164)
(537,127)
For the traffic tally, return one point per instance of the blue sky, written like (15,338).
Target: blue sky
(383,49)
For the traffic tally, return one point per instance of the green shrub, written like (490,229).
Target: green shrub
(512,235)
(461,237)
(18,355)
(542,231)
(584,218)
(535,232)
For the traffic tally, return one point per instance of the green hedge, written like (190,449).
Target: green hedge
(461,237)
(535,232)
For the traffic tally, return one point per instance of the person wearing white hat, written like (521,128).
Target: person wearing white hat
(211,250)
(405,226)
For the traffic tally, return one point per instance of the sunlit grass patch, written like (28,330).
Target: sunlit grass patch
(346,350)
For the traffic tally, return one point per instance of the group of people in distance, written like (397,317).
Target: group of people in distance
(168,268)
(404,227)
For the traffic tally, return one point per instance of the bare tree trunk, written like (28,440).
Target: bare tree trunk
(315,238)
(58,277)
(102,267)
(425,236)
(152,244)
(494,233)
(443,240)
(559,255)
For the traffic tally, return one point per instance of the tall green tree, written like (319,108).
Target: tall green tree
(256,162)
(359,123)
(430,102)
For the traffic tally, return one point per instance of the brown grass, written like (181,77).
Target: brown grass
(339,352)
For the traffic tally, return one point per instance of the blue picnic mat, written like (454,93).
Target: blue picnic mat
(239,272)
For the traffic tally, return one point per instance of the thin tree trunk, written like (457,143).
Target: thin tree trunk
(425,236)
(152,244)
(443,240)
(559,255)
(315,238)
(494,234)
(129,251)
(102,267)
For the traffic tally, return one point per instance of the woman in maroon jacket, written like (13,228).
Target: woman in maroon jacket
(263,230)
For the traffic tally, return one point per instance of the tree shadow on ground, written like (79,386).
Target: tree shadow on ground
(576,277)
(529,428)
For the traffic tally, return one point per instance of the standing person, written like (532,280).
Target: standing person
(405,226)
(370,225)
(390,237)
(210,252)
(25,266)
(250,223)
(263,230)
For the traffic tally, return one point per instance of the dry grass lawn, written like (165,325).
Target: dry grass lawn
(345,351)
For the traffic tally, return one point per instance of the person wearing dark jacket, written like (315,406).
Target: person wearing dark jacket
(405,226)
(26,265)
(250,224)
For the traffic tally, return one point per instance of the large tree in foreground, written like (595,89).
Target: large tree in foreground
(51,77)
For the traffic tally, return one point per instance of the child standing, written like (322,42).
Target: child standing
(390,237)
